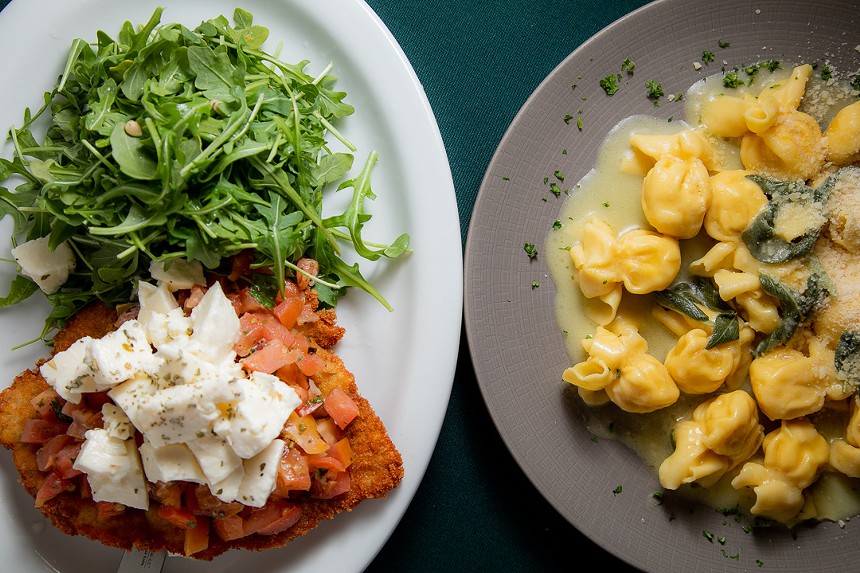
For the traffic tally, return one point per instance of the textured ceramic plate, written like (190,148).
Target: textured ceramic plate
(388,351)
(516,345)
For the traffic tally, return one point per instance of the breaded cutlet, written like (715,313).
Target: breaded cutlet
(376,466)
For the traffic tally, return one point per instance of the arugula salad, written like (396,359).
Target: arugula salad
(168,143)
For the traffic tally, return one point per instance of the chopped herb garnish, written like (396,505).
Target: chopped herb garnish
(531,250)
(567,118)
(610,83)
(707,56)
(826,72)
(654,89)
(617,490)
(627,66)
(535,284)
(558,175)
(556,225)
(708,535)
(723,44)
(771,65)
(731,80)
(579,123)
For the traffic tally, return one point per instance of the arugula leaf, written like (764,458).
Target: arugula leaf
(171,142)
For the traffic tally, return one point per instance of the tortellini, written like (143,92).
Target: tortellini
(640,260)
(724,431)
(618,364)
(786,385)
(794,455)
(843,135)
(743,344)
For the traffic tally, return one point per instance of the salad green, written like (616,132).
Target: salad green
(169,142)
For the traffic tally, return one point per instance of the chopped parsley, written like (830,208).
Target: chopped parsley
(707,56)
(556,225)
(610,83)
(579,123)
(855,83)
(654,90)
(723,44)
(617,490)
(731,80)
(826,72)
(535,284)
(558,175)
(771,65)
(567,118)
(627,66)
(531,250)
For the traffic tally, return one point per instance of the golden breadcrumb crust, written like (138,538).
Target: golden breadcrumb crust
(376,466)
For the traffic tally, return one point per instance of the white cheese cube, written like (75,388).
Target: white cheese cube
(182,274)
(132,395)
(48,269)
(183,364)
(116,423)
(227,490)
(113,469)
(120,355)
(67,373)
(215,323)
(153,300)
(260,473)
(170,462)
(181,413)
(216,458)
(263,404)
(172,327)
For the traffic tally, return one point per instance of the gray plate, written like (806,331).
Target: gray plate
(515,344)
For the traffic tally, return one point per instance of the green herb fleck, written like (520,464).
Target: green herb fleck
(610,83)
(708,535)
(535,284)
(771,65)
(723,44)
(826,72)
(617,490)
(628,66)
(531,250)
(707,56)
(556,225)
(654,89)
(731,80)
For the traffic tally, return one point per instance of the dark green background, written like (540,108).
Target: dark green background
(479,61)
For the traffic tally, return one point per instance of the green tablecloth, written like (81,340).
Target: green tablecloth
(479,61)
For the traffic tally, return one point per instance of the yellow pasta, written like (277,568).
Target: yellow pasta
(725,115)
(735,201)
(676,194)
(697,369)
(647,261)
(786,385)
(792,148)
(789,93)
(760,116)
(593,259)
(842,135)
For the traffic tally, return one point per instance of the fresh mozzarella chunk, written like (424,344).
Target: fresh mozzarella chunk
(215,323)
(132,395)
(227,490)
(48,269)
(120,355)
(171,327)
(116,423)
(67,373)
(170,462)
(113,469)
(260,472)
(181,274)
(181,413)
(263,404)
(216,458)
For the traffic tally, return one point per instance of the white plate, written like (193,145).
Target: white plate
(389,352)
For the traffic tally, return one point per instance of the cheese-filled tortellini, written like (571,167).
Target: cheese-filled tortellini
(687,144)
(618,364)
(789,93)
(843,135)
(676,194)
(845,452)
(792,148)
(697,369)
(735,201)
(723,433)
(786,385)
(724,116)
(647,261)
(794,455)
(593,259)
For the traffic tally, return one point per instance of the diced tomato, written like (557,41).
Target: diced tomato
(106,509)
(208,504)
(310,364)
(197,536)
(194,297)
(311,267)
(250,332)
(95,400)
(273,356)
(293,473)
(342,451)
(307,315)
(229,527)
(291,374)
(46,456)
(168,493)
(65,459)
(83,420)
(181,517)
(303,431)
(39,431)
(309,406)
(330,484)
(43,402)
(53,486)
(240,264)
(324,462)
(288,310)
(244,302)
(341,407)
(274,517)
